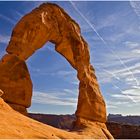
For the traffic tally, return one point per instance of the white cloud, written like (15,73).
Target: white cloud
(132,94)
(48,98)
(125,72)
(136,51)
(131,44)
(104,76)
(111,106)
(116,103)
(76,82)
(110,68)
(134,91)
(129,81)
(71,91)
(136,7)
(108,75)
(125,97)
(64,73)
(120,96)
(124,31)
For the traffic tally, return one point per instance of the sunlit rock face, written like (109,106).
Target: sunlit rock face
(14,125)
(51,23)
(15,82)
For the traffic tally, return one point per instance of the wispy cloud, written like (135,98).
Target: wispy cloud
(88,22)
(120,96)
(136,7)
(133,94)
(10,20)
(19,14)
(62,73)
(112,68)
(111,106)
(131,44)
(110,21)
(71,91)
(16,15)
(48,98)
(124,72)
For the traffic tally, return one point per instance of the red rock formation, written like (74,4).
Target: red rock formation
(15,82)
(51,23)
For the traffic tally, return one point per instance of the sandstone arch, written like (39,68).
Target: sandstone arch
(51,23)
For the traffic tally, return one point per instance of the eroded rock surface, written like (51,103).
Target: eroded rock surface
(15,82)
(14,125)
(51,23)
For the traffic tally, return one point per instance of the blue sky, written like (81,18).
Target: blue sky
(112,30)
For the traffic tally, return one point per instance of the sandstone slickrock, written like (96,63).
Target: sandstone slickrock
(17,126)
(49,22)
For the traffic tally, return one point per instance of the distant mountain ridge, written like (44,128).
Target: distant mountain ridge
(133,120)
(58,120)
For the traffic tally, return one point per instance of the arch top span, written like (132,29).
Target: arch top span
(46,23)
(50,22)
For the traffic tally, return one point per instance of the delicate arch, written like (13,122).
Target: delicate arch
(51,23)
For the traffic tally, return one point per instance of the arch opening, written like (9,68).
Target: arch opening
(55,84)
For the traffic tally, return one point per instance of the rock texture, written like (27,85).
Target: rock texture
(67,122)
(15,82)
(51,23)
(14,125)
